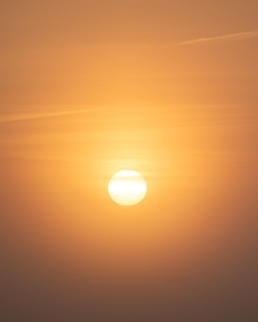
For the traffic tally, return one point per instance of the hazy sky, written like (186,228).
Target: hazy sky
(165,88)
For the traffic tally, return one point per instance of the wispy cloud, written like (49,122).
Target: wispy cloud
(229,37)
(15,117)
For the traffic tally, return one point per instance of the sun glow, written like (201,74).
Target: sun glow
(127,188)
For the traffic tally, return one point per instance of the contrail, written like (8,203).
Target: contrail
(31,116)
(229,37)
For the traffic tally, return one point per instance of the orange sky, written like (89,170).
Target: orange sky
(168,89)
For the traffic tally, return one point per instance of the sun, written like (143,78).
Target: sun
(127,188)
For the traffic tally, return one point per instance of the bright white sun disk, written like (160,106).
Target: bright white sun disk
(127,188)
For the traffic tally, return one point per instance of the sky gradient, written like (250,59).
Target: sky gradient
(165,88)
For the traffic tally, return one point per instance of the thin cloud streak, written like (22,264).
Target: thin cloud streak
(33,116)
(229,37)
